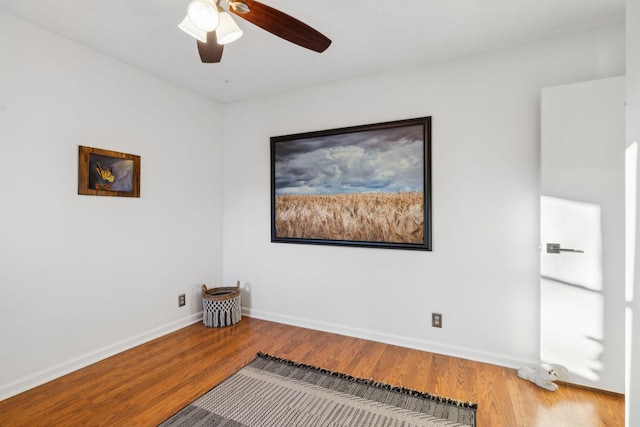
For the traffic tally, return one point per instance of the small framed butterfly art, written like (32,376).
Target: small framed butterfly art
(108,173)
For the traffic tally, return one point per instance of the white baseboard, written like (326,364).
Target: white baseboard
(46,375)
(433,347)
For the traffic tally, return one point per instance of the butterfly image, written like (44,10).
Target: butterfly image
(105,174)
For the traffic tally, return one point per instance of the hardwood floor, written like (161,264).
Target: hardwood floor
(147,384)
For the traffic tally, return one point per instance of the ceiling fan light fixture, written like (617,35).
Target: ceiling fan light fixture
(187,26)
(204,14)
(227,31)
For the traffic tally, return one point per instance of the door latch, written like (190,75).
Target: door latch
(554,248)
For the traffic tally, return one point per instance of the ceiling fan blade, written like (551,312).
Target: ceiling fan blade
(284,26)
(210,52)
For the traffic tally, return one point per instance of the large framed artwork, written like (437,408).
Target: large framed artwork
(366,186)
(108,173)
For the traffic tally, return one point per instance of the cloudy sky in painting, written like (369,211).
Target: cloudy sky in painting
(384,160)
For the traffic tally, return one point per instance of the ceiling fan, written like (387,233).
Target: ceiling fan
(213,26)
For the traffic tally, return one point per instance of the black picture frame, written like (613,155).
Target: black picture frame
(365,186)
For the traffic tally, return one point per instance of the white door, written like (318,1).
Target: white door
(582,231)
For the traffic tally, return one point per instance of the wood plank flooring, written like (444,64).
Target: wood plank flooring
(147,384)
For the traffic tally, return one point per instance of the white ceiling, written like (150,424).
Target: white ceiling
(369,36)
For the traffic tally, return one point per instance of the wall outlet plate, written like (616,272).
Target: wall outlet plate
(182,300)
(436,320)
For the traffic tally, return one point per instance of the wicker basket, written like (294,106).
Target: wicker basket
(221,306)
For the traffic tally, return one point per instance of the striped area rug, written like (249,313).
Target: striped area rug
(273,392)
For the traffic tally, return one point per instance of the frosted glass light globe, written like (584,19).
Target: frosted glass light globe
(203,14)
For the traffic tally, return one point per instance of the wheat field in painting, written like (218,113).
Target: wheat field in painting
(365,217)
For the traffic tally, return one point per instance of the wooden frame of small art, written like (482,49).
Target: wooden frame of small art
(108,173)
(367,186)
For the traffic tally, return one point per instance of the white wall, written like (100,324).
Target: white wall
(633,135)
(483,271)
(82,277)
